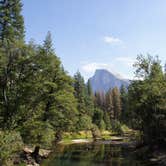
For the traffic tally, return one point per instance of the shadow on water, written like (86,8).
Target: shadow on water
(92,154)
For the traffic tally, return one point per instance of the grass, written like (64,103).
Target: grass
(105,134)
(69,136)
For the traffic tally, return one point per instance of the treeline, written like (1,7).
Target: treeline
(97,109)
(147,100)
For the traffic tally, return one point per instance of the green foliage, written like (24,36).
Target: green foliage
(11,21)
(109,104)
(124,103)
(116,101)
(98,118)
(147,99)
(102,125)
(95,132)
(107,120)
(80,92)
(125,128)
(16,72)
(116,126)
(36,94)
(85,105)
(113,103)
(48,46)
(37,133)
(84,123)
(10,144)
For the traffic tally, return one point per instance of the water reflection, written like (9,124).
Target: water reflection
(95,154)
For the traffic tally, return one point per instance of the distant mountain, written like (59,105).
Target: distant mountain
(103,80)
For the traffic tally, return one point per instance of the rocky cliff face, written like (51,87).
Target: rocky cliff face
(103,80)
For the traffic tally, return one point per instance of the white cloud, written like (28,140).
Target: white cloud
(91,67)
(129,61)
(111,40)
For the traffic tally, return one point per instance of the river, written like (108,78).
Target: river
(102,153)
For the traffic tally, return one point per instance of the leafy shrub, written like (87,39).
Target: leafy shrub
(95,132)
(37,132)
(10,144)
(116,126)
(102,125)
(125,128)
(85,122)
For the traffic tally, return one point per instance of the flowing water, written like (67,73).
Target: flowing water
(93,154)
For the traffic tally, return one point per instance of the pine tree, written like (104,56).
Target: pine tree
(165,70)
(109,104)
(116,103)
(17,84)
(107,120)
(48,45)
(58,93)
(13,63)
(89,100)
(89,88)
(98,118)
(99,100)
(85,104)
(11,21)
(124,101)
(80,92)
(54,104)
(11,30)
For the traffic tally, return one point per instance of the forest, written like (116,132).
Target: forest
(40,103)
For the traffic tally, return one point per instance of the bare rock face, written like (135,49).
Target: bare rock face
(103,80)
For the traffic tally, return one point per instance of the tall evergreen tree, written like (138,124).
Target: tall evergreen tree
(84,103)
(165,70)
(109,104)
(124,101)
(116,101)
(89,88)
(58,93)
(14,60)
(80,92)
(18,77)
(11,21)
(89,99)
(48,45)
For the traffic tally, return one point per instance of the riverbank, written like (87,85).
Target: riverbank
(82,137)
(156,157)
(116,151)
(126,140)
(155,154)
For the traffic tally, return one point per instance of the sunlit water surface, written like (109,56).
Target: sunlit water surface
(93,154)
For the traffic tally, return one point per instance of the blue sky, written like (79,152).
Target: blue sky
(91,34)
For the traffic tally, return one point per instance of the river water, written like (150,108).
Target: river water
(93,154)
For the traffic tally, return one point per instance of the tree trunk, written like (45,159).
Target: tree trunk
(58,136)
(35,154)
